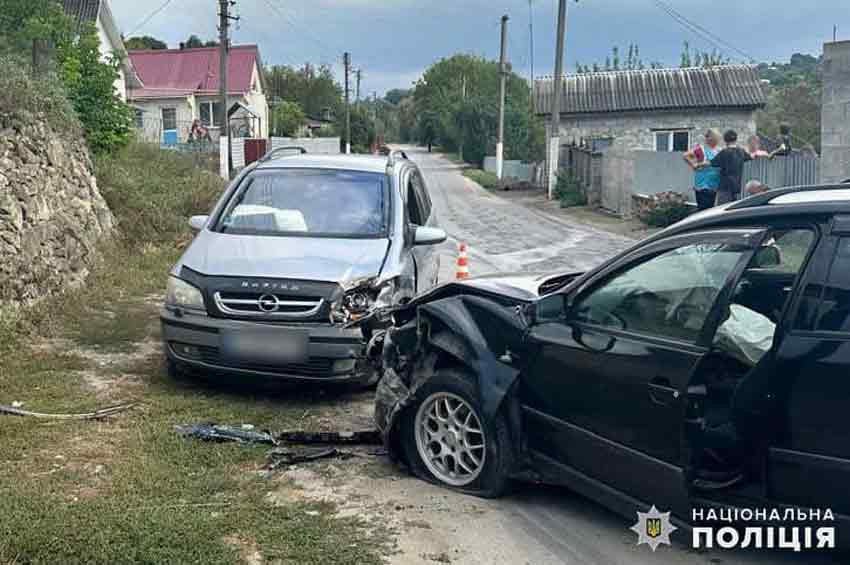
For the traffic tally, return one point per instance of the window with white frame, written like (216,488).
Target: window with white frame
(169,119)
(672,140)
(210,113)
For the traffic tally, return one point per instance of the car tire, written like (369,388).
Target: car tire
(173,370)
(455,389)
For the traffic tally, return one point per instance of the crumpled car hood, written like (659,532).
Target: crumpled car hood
(303,258)
(514,287)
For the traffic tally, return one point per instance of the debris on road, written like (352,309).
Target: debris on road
(219,433)
(96,415)
(283,456)
(368,437)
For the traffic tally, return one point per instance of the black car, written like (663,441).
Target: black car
(707,366)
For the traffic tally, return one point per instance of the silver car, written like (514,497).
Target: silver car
(288,276)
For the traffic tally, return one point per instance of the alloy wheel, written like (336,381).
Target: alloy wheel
(450,439)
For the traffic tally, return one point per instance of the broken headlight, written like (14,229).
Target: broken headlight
(361,299)
(181,294)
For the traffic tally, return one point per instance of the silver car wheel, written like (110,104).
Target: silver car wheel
(450,439)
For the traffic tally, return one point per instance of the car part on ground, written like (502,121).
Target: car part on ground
(220,433)
(96,415)
(284,456)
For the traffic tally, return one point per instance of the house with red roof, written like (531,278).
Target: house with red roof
(178,99)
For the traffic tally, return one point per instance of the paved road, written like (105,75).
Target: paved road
(541,525)
(503,236)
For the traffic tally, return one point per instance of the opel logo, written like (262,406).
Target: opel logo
(268,303)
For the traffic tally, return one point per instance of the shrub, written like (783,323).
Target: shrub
(20,92)
(568,191)
(484,178)
(152,192)
(664,209)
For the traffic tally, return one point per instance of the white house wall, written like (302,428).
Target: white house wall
(106,50)
(636,130)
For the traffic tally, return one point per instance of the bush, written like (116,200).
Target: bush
(664,209)
(484,178)
(568,191)
(20,92)
(152,192)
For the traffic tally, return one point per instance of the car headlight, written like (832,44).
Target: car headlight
(362,299)
(181,294)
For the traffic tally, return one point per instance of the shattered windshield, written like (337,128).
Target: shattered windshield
(309,203)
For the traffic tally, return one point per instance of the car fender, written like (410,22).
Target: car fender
(473,331)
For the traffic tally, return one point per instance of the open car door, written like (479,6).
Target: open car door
(605,399)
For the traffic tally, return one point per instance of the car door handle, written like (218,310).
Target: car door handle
(662,392)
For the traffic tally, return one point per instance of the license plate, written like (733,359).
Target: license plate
(265,346)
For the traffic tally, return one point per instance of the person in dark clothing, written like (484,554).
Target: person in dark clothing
(785,142)
(730,161)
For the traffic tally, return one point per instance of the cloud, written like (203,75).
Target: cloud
(394,40)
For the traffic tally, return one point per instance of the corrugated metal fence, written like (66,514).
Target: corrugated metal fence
(795,170)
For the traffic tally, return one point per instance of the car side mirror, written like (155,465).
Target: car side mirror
(550,308)
(428,236)
(197,223)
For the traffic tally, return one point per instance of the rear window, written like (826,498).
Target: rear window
(834,311)
(309,203)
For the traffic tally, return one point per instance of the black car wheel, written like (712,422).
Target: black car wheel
(447,441)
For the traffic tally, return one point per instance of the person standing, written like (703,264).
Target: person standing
(730,161)
(706,177)
(755,148)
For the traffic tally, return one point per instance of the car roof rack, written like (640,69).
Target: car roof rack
(393,155)
(273,153)
(803,194)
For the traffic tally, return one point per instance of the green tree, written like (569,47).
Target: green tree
(312,88)
(457,102)
(798,105)
(287,119)
(396,95)
(145,42)
(90,82)
(195,42)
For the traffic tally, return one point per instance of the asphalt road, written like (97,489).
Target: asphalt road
(541,525)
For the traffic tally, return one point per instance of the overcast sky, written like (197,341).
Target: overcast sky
(393,41)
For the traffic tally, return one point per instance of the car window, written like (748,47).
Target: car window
(785,251)
(834,310)
(668,295)
(309,203)
(414,212)
(423,198)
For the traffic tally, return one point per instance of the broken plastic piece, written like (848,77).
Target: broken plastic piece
(367,437)
(215,432)
(97,415)
(282,456)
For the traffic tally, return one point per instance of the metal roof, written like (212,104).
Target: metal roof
(724,86)
(168,73)
(82,10)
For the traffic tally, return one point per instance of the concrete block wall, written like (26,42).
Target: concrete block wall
(835,113)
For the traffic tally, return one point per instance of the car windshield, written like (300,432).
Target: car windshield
(309,203)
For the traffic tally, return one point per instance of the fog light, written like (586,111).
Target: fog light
(344,366)
(186,350)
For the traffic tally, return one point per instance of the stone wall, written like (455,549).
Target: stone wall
(636,130)
(51,213)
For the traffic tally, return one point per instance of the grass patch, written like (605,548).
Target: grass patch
(128,489)
(485,179)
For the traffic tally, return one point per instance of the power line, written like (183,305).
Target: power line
(150,16)
(328,49)
(701,31)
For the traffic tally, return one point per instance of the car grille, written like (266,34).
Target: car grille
(267,305)
(317,367)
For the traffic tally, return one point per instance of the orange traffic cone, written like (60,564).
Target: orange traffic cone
(462,263)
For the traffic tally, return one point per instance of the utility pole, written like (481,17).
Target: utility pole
(357,74)
(531,39)
(503,72)
(375,106)
(224,18)
(555,133)
(463,98)
(346,59)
